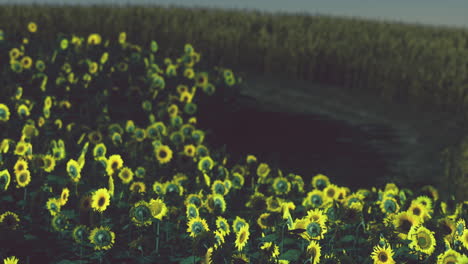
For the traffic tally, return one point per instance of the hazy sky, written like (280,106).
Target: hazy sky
(438,12)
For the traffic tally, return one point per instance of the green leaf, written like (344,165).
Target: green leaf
(189,260)
(269,238)
(57,179)
(347,238)
(7,198)
(292,255)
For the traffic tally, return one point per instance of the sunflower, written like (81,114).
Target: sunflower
(420,210)
(20,165)
(448,257)
(219,203)
(189,150)
(140,172)
(4,113)
(140,214)
(172,188)
(263,170)
(202,151)
(32,27)
(242,236)
(59,223)
(99,151)
(273,204)
(54,205)
(11,260)
(21,148)
(196,226)
(193,198)
(464,238)
(9,220)
(426,202)
(447,228)
(191,211)
(403,221)
(93,67)
(314,252)
(422,239)
(49,163)
(23,110)
(320,181)
(218,187)
(201,79)
(100,200)
(64,196)
(314,199)
(383,255)
(26,62)
(163,154)
(23,178)
(94,39)
(389,205)
(85,202)
(281,185)
(5,179)
(223,225)
(138,187)
(74,170)
(263,221)
(102,238)
(95,137)
(80,233)
(158,208)
(317,215)
(238,223)
(126,175)
(331,191)
(114,163)
(158,188)
(271,249)
(314,230)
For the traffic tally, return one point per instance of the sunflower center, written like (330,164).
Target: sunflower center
(20,167)
(162,154)
(405,225)
(416,211)
(316,200)
(313,229)
(242,237)
(383,257)
(331,193)
(22,177)
(101,201)
(423,241)
(114,165)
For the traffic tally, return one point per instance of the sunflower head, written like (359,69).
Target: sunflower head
(80,234)
(422,239)
(5,179)
(163,154)
(140,214)
(138,187)
(100,200)
(9,220)
(102,238)
(23,178)
(126,175)
(114,163)
(74,170)
(196,226)
(64,196)
(382,255)
(281,186)
(320,181)
(59,222)
(158,208)
(242,236)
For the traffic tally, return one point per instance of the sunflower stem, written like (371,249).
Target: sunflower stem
(282,239)
(24,197)
(76,189)
(157,237)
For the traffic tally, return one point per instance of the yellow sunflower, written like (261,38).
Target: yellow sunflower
(20,165)
(191,211)
(49,163)
(74,170)
(331,191)
(420,210)
(205,164)
(32,27)
(21,148)
(53,205)
(314,199)
(196,226)
(64,196)
(9,220)
(94,39)
(140,214)
(422,239)
(163,154)
(189,150)
(23,178)
(100,200)
(281,185)
(320,181)
(314,252)
(403,221)
(263,170)
(383,255)
(102,238)
(138,187)
(448,257)
(11,260)
(26,62)
(158,208)
(464,238)
(126,175)
(4,113)
(242,237)
(223,225)
(114,163)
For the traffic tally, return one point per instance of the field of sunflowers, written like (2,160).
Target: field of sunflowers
(101,161)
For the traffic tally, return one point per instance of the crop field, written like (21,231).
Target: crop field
(102,159)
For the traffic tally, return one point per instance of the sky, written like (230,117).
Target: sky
(434,12)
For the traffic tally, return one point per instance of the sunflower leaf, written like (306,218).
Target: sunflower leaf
(269,238)
(57,179)
(347,238)
(7,198)
(292,255)
(189,260)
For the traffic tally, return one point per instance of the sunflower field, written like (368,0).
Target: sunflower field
(102,161)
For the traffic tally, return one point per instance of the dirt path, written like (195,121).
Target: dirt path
(415,137)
